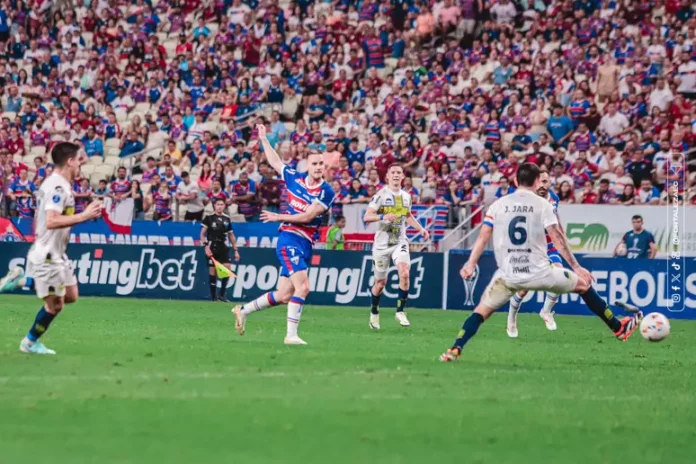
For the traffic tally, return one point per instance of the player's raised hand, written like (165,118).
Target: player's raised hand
(93,210)
(389,218)
(467,271)
(261,129)
(268,216)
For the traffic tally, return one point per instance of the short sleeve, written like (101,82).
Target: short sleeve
(206,221)
(326,197)
(651,238)
(289,174)
(375,202)
(489,219)
(548,216)
(55,199)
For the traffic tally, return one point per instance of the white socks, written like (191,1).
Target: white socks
(262,302)
(294,314)
(549,302)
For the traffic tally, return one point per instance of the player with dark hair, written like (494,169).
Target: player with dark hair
(309,198)
(517,223)
(49,270)
(216,230)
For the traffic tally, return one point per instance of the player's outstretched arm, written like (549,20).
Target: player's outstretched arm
(411,221)
(313,211)
(55,220)
(477,249)
(271,155)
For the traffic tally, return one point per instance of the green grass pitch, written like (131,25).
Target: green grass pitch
(148,381)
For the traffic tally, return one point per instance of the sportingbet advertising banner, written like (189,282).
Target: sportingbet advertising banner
(661,285)
(597,229)
(256,234)
(341,278)
(131,271)
(336,277)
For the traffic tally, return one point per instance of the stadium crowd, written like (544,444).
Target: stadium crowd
(599,93)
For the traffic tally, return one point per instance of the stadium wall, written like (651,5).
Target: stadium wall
(344,277)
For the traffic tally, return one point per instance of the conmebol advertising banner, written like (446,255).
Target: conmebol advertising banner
(646,283)
(253,234)
(597,229)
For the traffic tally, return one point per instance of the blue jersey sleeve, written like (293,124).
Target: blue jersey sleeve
(326,197)
(651,238)
(252,187)
(289,175)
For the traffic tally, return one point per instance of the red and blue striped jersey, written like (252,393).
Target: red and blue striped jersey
(120,186)
(554,200)
(300,197)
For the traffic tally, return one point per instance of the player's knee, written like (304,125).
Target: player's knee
(582,286)
(55,308)
(302,290)
(379,285)
(522,293)
(404,275)
(69,299)
(282,296)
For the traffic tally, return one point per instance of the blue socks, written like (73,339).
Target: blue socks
(403,297)
(600,307)
(375,303)
(469,329)
(29,283)
(41,323)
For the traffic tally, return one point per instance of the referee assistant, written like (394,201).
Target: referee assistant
(216,229)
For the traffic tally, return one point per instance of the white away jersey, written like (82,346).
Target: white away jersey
(399,204)
(519,224)
(55,194)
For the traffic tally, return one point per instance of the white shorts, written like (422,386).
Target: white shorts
(499,292)
(51,278)
(381,259)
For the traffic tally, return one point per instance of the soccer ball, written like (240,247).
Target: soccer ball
(654,327)
(621,250)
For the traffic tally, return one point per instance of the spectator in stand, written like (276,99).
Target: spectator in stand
(454,195)
(357,193)
(101,191)
(628,197)
(243,193)
(91,144)
(139,203)
(505,188)
(171,179)
(566,193)
(560,127)
(121,186)
(131,145)
(588,196)
(269,191)
(648,193)
(162,200)
(21,195)
(83,195)
(605,195)
(188,194)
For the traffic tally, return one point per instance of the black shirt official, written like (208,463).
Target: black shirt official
(217,228)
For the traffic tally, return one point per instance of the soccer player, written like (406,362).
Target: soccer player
(50,271)
(517,224)
(551,298)
(217,228)
(309,198)
(391,209)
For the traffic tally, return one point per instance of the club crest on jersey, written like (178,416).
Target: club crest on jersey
(56,199)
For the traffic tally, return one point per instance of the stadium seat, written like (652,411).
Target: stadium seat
(233,208)
(145,187)
(19,159)
(112,151)
(423,137)
(289,126)
(237,218)
(142,107)
(88,169)
(137,177)
(10,115)
(37,151)
(417,182)
(112,143)
(94,179)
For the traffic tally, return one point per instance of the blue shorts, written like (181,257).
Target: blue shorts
(294,253)
(555,258)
